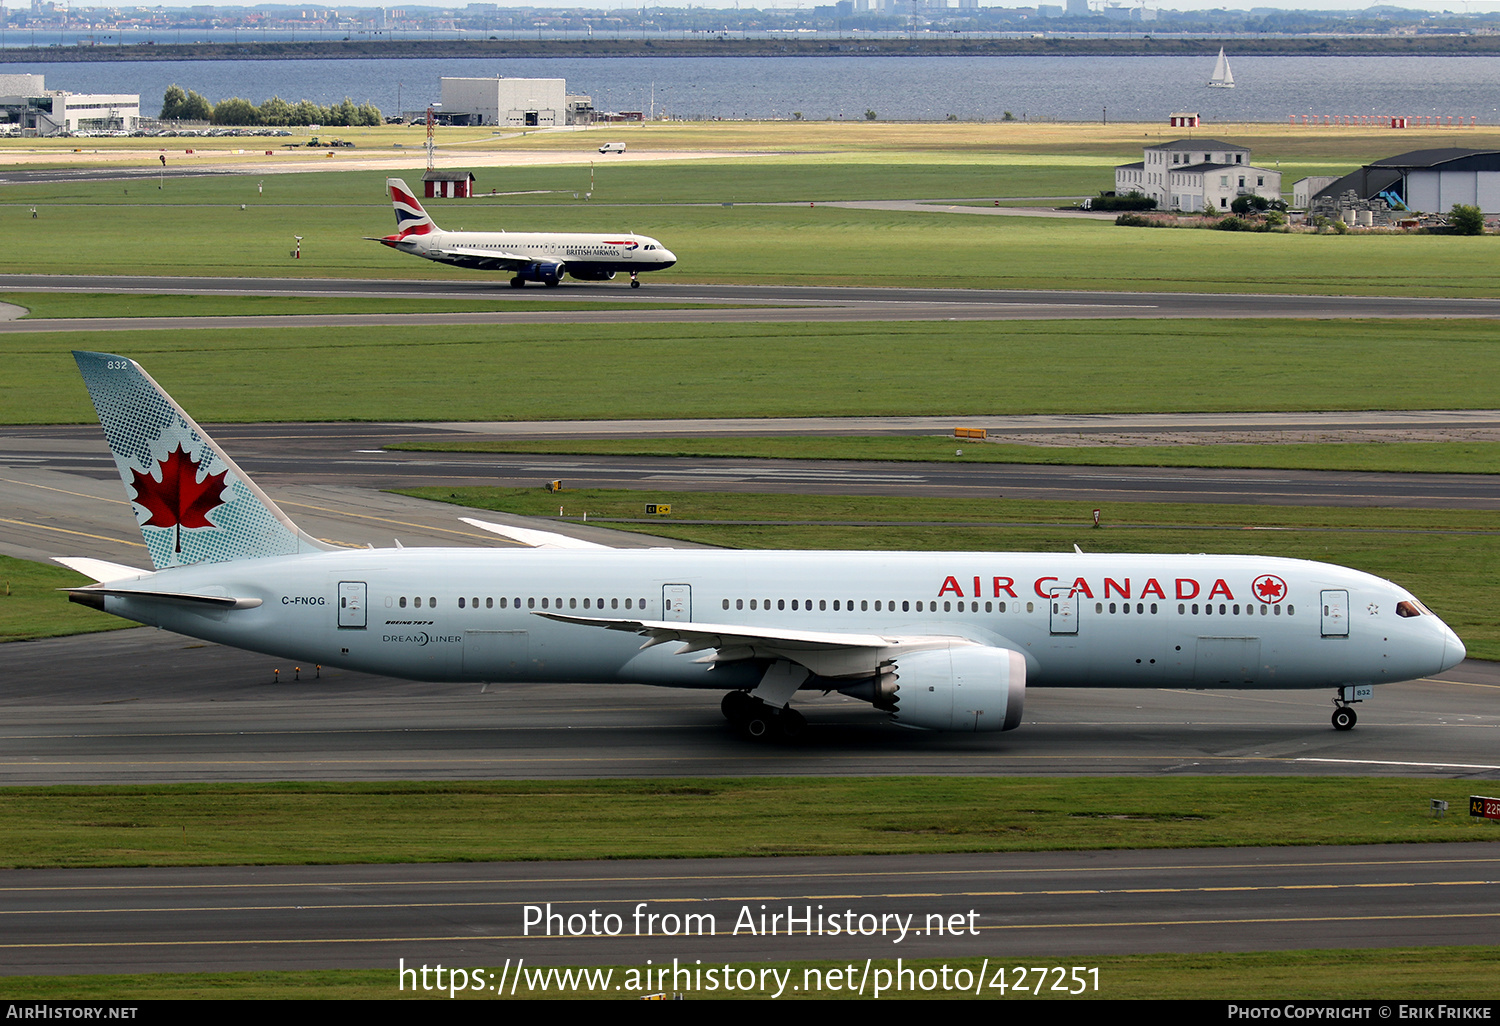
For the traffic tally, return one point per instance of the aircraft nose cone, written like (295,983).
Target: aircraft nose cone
(668,258)
(1453,651)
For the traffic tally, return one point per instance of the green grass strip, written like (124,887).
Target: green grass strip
(31,606)
(1389,974)
(45,305)
(706,212)
(364,823)
(545,372)
(1383,457)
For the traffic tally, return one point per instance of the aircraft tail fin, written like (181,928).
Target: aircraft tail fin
(191,501)
(411,219)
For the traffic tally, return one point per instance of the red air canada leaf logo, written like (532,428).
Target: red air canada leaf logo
(1269,588)
(179,500)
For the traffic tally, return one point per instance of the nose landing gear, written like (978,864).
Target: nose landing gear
(1344,716)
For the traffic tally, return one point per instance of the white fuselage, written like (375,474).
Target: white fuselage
(582,253)
(1078,620)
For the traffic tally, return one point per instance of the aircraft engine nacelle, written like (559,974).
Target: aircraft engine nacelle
(592,274)
(549,272)
(963,687)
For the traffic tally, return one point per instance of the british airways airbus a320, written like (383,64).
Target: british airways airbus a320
(529,256)
(935,640)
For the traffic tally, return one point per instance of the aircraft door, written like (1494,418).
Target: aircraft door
(677,602)
(1064,614)
(1335,614)
(352,605)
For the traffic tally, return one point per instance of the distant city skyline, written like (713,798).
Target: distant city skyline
(1455,7)
(1431,6)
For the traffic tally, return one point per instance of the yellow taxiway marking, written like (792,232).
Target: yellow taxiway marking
(472,937)
(744,898)
(64,530)
(64,491)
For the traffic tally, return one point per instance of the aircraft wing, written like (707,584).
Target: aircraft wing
(488,259)
(533,538)
(825,653)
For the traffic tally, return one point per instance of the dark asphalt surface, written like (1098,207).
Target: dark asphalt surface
(996,911)
(345,454)
(877,303)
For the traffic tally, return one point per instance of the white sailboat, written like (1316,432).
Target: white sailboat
(1222,78)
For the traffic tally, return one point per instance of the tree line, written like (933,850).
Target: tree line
(180,104)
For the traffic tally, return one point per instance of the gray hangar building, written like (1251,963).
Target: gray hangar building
(1427,180)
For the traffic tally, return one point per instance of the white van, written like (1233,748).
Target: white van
(612,148)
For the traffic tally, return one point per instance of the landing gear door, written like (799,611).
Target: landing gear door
(677,602)
(1064,615)
(1335,614)
(352,605)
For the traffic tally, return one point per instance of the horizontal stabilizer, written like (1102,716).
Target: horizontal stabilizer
(533,538)
(94,594)
(101,570)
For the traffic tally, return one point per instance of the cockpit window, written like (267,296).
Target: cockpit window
(1408,609)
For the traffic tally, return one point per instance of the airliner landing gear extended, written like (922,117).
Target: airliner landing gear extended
(1344,716)
(759,721)
(635,280)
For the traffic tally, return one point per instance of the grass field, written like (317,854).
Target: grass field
(31,606)
(1386,457)
(197,226)
(93,304)
(522,372)
(744,244)
(436,821)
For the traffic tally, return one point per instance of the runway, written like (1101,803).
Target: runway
(981,913)
(143,706)
(724,303)
(62,490)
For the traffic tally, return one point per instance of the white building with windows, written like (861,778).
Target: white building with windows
(1194,175)
(28,107)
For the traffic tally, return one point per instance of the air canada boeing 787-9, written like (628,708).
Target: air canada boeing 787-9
(935,640)
(528,256)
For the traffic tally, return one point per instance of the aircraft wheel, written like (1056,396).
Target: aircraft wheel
(635,283)
(1344,718)
(756,726)
(736,706)
(518,282)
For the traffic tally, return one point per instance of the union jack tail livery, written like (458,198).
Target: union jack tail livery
(411,219)
(192,503)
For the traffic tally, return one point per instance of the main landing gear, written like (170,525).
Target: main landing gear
(759,721)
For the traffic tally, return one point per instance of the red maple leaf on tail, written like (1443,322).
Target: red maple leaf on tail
(179,500)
